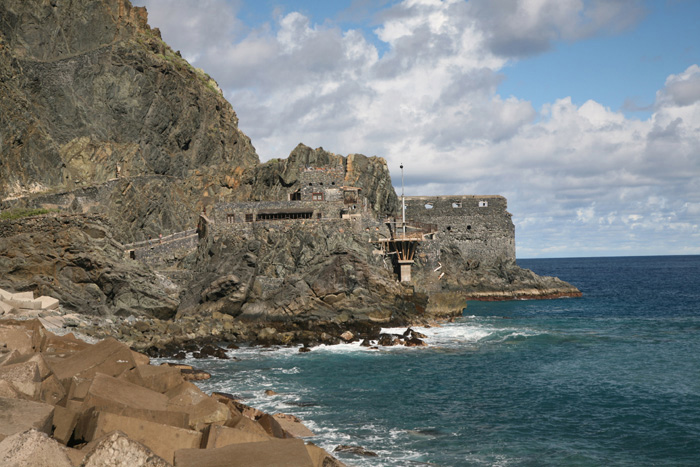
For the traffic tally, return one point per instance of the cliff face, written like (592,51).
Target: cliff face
(299,275)
(75,259)
(89,92)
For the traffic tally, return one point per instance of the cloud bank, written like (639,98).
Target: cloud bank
(580,180)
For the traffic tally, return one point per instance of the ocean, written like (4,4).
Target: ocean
(611,378)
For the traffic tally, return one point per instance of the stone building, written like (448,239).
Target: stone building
(477,230)
(478,227)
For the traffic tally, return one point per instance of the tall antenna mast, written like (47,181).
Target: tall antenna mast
(403,204)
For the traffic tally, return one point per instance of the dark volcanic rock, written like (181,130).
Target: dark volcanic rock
(369,173)
(320,277)
(359,450)
(75,259)
(88,89)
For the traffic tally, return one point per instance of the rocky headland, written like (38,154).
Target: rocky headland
(128,193)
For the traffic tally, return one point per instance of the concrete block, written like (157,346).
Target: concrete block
(163,440)
(140,359)
(273,453)
(25,378)
(206,412)
(108,356)
(20,415)
(32,448)
(51,391)
(75,406)
(76,456)
(115,449)
(8,390)
(242,422)
(5,294)
(24,304)
(292,425)
(48,303)
(250,412)
(184,394)
(217,436)
(6,308)
(321,458)
(273,427)
(78,388)
(107,391)
(44,369)
(64,421)
(9,357)
(63,344)
(16,338)
(159,378)
(23,296)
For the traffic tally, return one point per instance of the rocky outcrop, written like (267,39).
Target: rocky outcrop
(274,179)
(299,276)
(76,260)
(89,92)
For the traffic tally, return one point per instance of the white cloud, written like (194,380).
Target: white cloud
(581,175)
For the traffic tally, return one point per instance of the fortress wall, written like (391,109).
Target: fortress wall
(327,180)
(234,213)
(158,251)
(479,227)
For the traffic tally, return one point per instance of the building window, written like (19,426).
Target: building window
(230,218)
(296,196)
(428,205)
(456,204)
(317,196)
(319,215)
(249,218)
(483,204)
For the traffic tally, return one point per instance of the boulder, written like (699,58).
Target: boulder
(32,448)
(360,451)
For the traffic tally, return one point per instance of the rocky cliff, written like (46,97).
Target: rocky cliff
(89,92)
(75,259)
(99,118)
(274,179)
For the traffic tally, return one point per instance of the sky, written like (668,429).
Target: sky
(585,114)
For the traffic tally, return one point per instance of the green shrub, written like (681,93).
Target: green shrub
(18,213)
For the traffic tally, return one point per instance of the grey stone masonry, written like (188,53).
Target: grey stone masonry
(478,227)
(153,251)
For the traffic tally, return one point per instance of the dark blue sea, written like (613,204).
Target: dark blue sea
(609,379)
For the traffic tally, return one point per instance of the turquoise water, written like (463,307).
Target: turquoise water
(612,378)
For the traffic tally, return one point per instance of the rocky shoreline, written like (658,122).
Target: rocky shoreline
(69,403)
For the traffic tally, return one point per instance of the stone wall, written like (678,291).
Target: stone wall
(158,250)
(478,227)
(235,213)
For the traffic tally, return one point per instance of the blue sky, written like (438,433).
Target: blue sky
(585,114)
